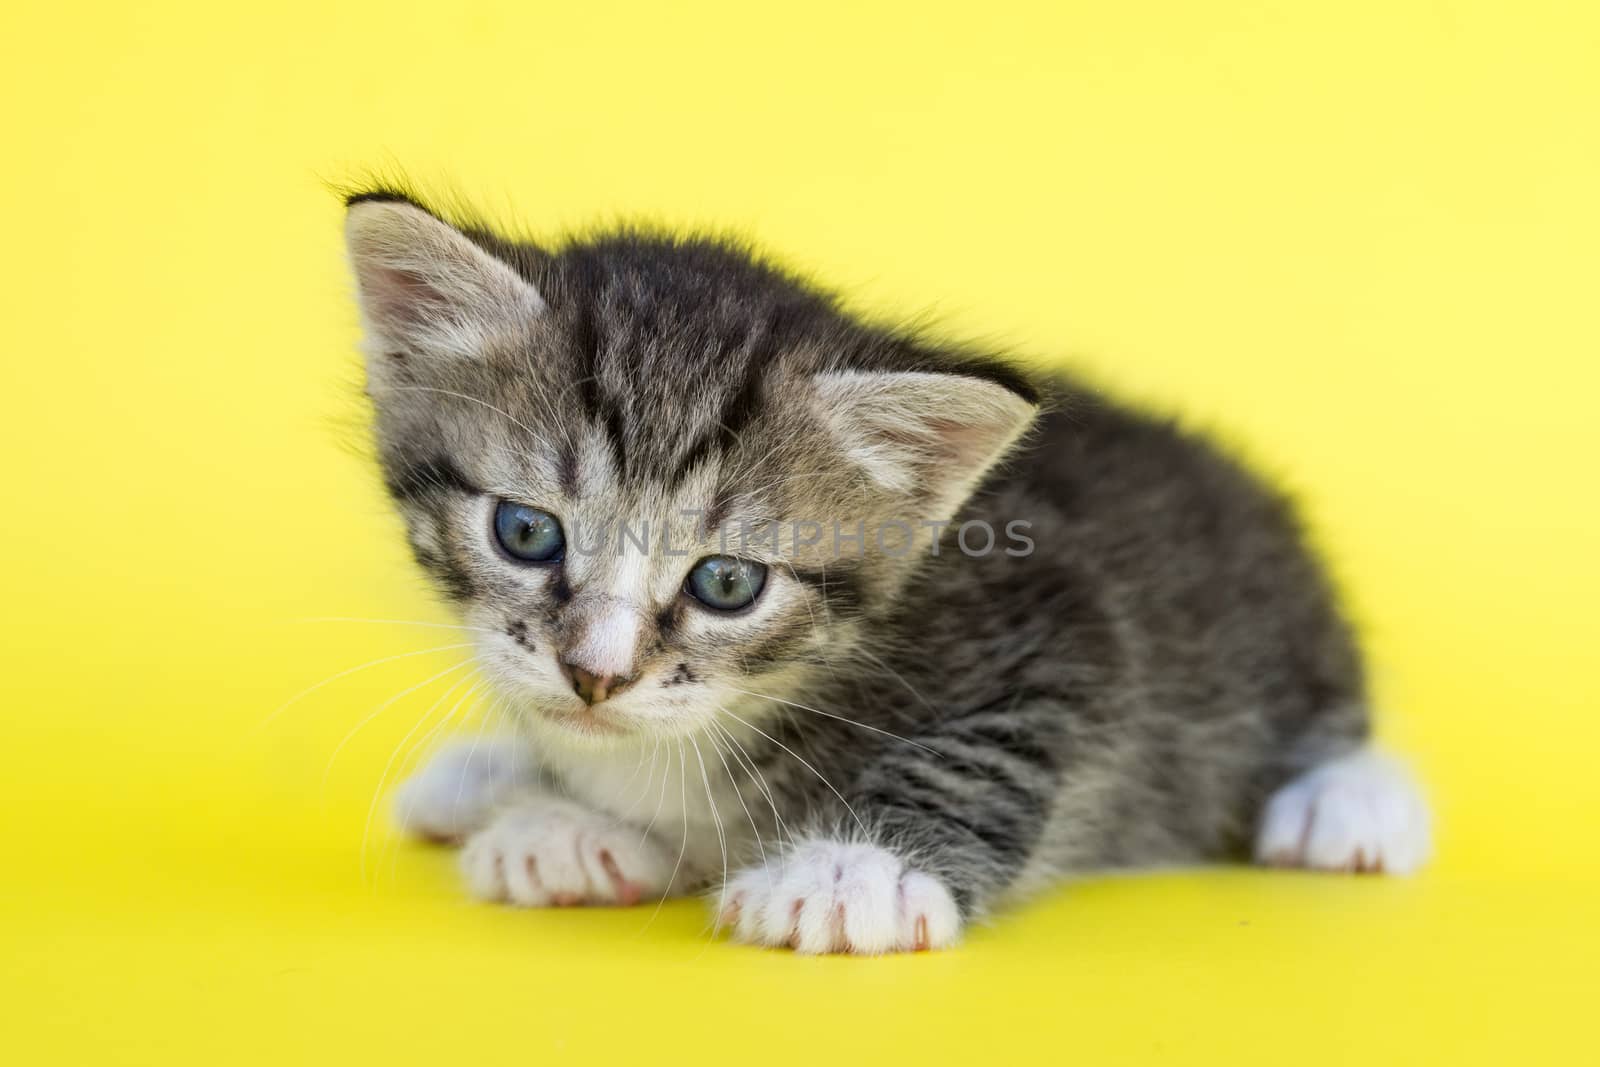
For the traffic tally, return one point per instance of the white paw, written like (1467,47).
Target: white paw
(1359,813)
(459,788)
(827,896)
(547,851)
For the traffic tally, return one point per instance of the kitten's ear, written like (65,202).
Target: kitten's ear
(425,289)
(930,435)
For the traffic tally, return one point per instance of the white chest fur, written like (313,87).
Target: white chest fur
(688,793)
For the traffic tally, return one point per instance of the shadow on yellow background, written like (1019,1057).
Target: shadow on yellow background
(1361,243)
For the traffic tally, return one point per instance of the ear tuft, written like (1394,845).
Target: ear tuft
(424,287)
(380,194)
(933,435)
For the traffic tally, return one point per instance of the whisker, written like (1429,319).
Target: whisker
(716,817)
(541,438)
(637,767)
(660,800)
(644,790)
(427,738)
(281,708)
(683,848)
(841,718)
(716,746)
(899,677)
(820,777)
(379,710)
(397,622)
(747,761)
(377,792)
(477,739)
(535,434)
(812,615)
(422,743)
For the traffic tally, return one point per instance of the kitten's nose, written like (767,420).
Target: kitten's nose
(594,688)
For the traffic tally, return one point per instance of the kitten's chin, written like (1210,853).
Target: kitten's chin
(579,727)
(591,723)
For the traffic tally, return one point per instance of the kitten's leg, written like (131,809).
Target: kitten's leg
(1362,812)
(456,792)
(524,846)
(945,833)
(545,850)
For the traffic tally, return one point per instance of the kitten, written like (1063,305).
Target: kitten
(865,634)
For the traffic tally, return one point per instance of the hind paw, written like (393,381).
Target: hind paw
(1362,813)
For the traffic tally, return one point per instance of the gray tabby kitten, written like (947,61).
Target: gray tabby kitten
(865,634)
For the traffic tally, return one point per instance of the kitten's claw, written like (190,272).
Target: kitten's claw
(1362,813)
(546,851)
(828,896)
(455,793)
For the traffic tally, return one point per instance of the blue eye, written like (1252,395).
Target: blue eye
(528,534)
(726,583)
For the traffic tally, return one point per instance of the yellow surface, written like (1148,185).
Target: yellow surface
(1361,239)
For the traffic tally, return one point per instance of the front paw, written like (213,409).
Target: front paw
(456,792)
(547,851)
(828,896)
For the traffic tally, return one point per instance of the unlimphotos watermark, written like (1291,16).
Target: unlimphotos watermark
(786,539)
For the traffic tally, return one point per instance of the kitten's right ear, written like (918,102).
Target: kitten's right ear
(425,289)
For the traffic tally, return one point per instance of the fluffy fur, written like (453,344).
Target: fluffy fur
(898,734)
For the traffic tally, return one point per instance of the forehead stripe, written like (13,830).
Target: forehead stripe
(408,481)
(737,412)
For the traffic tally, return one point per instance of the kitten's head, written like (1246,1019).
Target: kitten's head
(643,466)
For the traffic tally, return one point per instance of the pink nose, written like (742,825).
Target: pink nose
(591,687)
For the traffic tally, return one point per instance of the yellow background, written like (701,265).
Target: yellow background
(1359,239)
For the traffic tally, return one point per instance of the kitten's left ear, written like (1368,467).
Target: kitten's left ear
(426,289)
(923,434)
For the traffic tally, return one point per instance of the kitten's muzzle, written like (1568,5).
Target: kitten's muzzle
(593,688)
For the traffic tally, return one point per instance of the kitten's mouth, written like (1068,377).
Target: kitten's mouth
(589,721)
